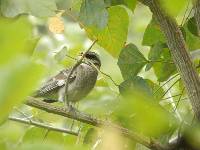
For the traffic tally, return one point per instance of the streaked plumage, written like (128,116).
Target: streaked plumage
(81,82)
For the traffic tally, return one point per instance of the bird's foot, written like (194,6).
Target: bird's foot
(48,100)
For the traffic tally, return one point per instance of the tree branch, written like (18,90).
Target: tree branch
(179,51)
(86,118)
(41,125)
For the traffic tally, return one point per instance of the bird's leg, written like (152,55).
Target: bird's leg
(72,108)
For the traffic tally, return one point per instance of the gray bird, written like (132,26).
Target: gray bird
(80,83)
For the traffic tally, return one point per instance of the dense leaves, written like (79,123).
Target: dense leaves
(131,61)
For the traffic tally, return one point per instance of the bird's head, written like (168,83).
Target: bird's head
(93,58)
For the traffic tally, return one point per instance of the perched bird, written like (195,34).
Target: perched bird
(80,83)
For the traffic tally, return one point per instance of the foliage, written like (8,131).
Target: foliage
(139,90)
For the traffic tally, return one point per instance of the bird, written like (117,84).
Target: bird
(81,81)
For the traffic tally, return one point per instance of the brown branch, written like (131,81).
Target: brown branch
(197,14)
(179,51)
(88,119)
(42,125)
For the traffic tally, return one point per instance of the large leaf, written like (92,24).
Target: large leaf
(39,8)
(153,34)
(15,38)
(128,3)
(173,7)
(131,61)
(93,13)
(113,37)
(17,80)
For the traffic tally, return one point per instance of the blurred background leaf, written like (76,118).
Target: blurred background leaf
(18,79)
(44,8)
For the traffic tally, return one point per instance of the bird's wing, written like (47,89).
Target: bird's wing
(57,81)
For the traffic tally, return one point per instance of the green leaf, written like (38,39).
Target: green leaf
(18,79)
(174,7)
(165,68)
(153,34)
(128,3)
(15,38)
(138,112)
(93,13)
(34,135)
(39,8)
(131,61)
(156,89)
(61,54)
(113,37)
(192,41)
(138,84)
(91,136)
(154,54)
(192,26)
(135,84)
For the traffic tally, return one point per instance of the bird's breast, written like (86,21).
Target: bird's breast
(85,80)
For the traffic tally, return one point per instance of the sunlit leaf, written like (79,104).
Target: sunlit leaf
(93,13)
(18,79)
(39,8)
(113,37)
(131,61)
(153,34)
(173,7)
(15,38)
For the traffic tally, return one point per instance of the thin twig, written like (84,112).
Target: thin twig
(41,125)
(170,88)
(166,82)
(179,99)
(73,69)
